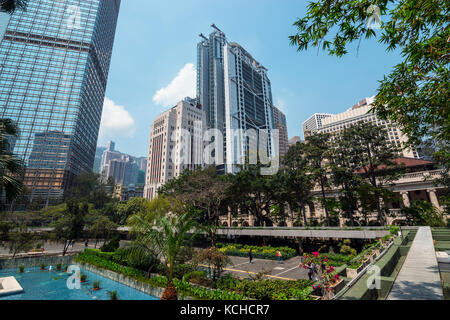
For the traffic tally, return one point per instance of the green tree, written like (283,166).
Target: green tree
(101,228)
(11,167)
(129,208)
(70,226)
(297,180)
(415,94)
(10,6)
(166,235)
(254,192)
(20,240)
(317,152)
(215,260)
(343,173)
(423,213)
(373,157)
(204,190)
(143,246)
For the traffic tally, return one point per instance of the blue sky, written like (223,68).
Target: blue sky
(156,43)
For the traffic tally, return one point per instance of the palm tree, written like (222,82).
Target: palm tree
(165,235)
(11,167)
(9,6)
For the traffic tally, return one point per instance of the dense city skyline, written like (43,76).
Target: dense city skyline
(302,83)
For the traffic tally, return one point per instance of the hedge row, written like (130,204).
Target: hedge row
(266,252)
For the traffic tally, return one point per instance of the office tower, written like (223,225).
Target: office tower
(279,120)
(124,171)
(314,123)
(54,64)
(4,19)
(361,112)
(98,159)
(176,144)
(108,155)
(235,92)
(121,167)
(142,163)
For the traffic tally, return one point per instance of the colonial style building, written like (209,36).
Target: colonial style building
(418,184)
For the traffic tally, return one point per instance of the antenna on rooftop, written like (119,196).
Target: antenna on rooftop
(215,27)
(202,36)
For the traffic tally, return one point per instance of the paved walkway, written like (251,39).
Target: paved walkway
(54,248)
(419,277)
(288,270)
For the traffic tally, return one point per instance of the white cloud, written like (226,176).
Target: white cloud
(183,85)
(281,105)
(116,121)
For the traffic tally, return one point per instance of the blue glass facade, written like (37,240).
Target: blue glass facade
(54,64)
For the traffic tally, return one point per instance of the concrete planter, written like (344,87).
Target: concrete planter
(352,273)
(130,282)
(35,261)
(338,286)
(366,262)
(377,252)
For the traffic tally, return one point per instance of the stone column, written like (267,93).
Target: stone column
(405,196)
(251,220)
(434,199)
(230,220)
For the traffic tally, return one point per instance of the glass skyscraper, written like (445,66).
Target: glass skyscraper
(54,64)
(235,92)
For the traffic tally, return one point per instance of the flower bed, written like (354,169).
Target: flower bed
(266,252)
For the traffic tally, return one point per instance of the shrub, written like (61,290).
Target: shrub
(96,285)
(227,282)
(274,289)
(266,252)
(113,295)
(111,245)
(197,277)
(347,250)
(394,230)
(142,261)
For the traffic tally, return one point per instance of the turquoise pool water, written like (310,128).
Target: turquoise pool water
(52,285)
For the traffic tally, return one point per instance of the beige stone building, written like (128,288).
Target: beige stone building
(176,144)
(361,113)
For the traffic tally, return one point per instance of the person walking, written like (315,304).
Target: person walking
(323,267)
(250,255)
(310,272)
(86,244)
(313,271)
(280,257)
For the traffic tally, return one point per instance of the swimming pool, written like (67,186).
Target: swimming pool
(52,285)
